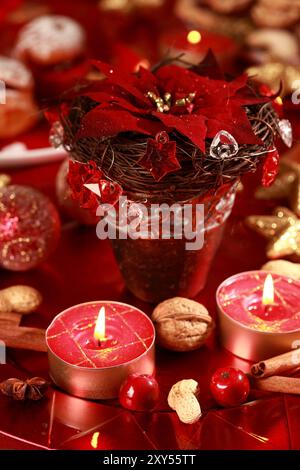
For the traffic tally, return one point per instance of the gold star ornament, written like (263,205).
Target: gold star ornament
(286,186)
(282,228)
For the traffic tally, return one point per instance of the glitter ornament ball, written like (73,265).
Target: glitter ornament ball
(29,227)
(69,206)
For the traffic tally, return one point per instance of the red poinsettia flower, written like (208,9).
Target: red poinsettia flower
(170,99)
(80,175)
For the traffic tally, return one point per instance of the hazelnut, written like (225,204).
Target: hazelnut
(181,324)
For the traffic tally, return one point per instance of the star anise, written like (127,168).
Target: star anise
(30,389)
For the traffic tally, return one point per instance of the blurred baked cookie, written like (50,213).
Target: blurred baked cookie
(50,40)
(54,47)
(228,6)
(19,111)
(276,13)
(269,45)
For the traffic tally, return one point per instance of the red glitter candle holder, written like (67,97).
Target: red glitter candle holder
(84,368)
(251,330)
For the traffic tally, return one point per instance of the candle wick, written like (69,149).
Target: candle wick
(268,307)
(101,341)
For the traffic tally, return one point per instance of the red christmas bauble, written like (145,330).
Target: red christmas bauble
(29,227)
(68,205)
(229,386)
(139,392)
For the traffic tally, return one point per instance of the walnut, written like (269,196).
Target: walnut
(181,324)
(183,399)
(19,299)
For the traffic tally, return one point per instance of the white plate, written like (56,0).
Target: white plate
(17,154)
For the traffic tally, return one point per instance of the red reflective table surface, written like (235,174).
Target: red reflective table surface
(83,269)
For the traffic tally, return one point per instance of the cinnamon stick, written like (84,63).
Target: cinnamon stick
(9,318)
(23,337)
(277,365)
(278,384)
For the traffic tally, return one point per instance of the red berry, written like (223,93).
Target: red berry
(229,386)
(139,392)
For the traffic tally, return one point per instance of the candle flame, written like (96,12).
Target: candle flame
(268,292)
(194,37)
(99,332)
(94,440)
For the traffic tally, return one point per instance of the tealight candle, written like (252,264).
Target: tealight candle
(92,347)
(259,314)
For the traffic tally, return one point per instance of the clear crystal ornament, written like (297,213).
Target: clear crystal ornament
(286,132)
(223,146)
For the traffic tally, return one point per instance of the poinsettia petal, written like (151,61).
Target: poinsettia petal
(226,94)
(191,126)
(147,81)
(215,94)
(208,67)
(112,121)
(237,84)
(124,80)
(174,79)
(106,100)
(246,97)
(236,123)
